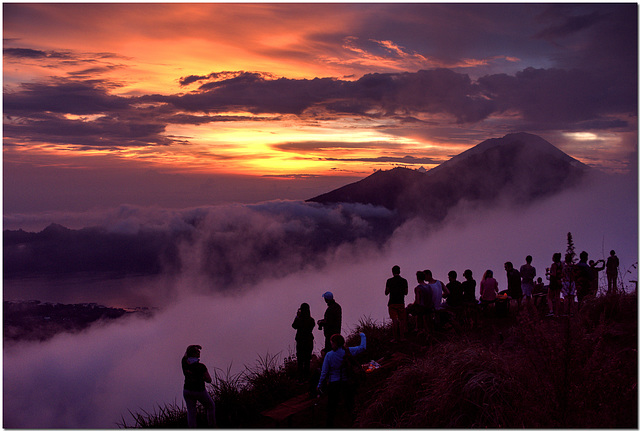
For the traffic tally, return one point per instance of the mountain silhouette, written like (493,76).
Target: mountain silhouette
(521,166)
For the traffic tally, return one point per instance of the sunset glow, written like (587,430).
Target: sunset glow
(309,89)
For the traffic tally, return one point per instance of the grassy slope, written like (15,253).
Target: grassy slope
(524,370)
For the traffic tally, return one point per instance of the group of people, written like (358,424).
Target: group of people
(431,296)
(578,280)
(334,376)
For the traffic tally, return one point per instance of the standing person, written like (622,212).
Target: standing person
(438,291)
(397,288)
(304,324)
(456,293)
(514,286)
(582,274)
(568,283)
(195,376)
(612,272)
(334,374)
(527,273)
(332,322)
(488,288)
(555,284)
(595,276)
(423,303)
(468,287)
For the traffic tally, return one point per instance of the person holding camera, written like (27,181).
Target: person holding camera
(195,376)
(332,322)
(304,324)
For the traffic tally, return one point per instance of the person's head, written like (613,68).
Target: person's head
(488,274)
(467,274)
(539,280)
(328,296)
(427,274)
(528,259)
(193,351)
(584,256)
(420,276)
(556,257)
(395,270)
(612,253)
(337,341)
(305,310)
(508,266)
(452,275)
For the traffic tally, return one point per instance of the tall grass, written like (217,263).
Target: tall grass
(540,373)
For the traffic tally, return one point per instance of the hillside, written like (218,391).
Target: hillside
(522,370)
(521,166)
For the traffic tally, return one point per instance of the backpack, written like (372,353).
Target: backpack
(350,370)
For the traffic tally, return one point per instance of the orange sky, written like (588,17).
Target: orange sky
(137,54)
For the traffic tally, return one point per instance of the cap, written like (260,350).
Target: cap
(327,295)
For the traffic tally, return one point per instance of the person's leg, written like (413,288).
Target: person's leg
(209,406)
(190,400)
(333,394)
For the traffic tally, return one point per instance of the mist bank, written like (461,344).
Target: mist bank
(92,379)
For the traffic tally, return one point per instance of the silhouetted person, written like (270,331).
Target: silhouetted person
(438,289)
(488,288)
(195,376)
(538,288)
(612,272)
(527,274)
(304,324)
(569,276)
(334,374)
(514,284)
(582,273)
(332,322)
(397,288)
(468,287)
(555,284)
(595,276)
(456,293)
(422,305)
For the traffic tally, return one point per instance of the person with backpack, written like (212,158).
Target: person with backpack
(336,374)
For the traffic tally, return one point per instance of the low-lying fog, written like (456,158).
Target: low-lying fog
(92,379)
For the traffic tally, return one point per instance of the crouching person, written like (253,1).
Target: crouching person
(336,376)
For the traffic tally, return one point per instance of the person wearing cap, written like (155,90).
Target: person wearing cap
(332,322)
(195,376)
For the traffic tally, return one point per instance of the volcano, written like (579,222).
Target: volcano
(519,167)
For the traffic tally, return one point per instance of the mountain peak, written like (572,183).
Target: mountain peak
(523,165)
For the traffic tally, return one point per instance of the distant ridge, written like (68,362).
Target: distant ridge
(523,166)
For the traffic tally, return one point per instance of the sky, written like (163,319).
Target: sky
(218,119)
(180,105)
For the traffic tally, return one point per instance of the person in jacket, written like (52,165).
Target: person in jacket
(334,375)
(194,391)
(304,324)
(332,322)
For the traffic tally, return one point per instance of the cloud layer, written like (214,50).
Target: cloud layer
(91,379)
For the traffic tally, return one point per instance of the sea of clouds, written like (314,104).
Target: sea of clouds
(93,379)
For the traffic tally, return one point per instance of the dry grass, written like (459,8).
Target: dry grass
(540,373)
